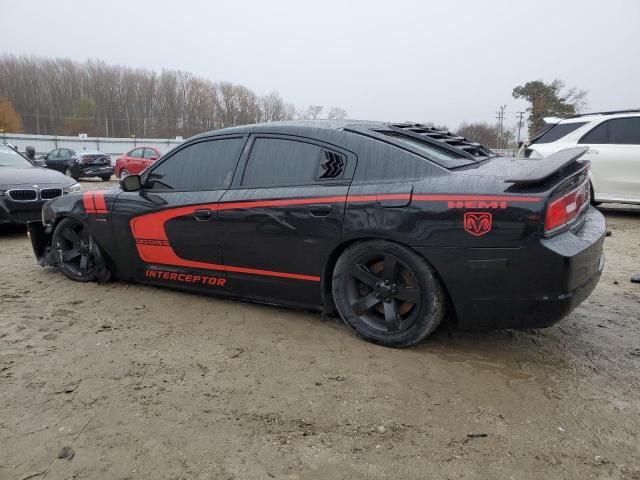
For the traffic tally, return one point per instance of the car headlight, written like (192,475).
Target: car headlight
(75,188)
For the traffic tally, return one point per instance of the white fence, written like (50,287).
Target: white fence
(111,146)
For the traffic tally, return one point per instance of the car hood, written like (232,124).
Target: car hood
(11,176)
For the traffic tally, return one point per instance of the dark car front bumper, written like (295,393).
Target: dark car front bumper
(20,212)
(526,287)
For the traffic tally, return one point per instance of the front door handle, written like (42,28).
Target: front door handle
(202,214)
(320,210)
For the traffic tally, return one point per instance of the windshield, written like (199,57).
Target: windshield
(9,158)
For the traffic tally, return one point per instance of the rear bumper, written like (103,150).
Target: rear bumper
(528,287)
(96,171)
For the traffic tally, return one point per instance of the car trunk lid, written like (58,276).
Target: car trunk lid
(95,159)
(560,179)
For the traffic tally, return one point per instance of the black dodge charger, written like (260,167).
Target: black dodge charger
(394,226)
(24,187)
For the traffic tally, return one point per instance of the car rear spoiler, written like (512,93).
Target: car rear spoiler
(536,170)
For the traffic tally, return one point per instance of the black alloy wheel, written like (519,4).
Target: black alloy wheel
(75,251)
(387,293)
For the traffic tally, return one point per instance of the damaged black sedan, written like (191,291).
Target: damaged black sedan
(393,226)
(24,187)
(80,164)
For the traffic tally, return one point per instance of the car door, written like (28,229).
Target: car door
(614,153)
(65,156)
(283,217)
(166,231)
(53,160)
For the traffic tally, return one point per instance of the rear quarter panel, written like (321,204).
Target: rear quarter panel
(472,260)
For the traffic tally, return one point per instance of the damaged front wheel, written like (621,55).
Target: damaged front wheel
(77,255)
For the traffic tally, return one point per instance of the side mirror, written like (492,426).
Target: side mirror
(131,183)
(154,158)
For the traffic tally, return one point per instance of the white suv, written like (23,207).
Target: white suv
(613,139)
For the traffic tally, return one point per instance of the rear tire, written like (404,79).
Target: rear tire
(387,294)
(77,255)
(105,179)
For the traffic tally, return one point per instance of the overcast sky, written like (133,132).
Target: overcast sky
(438,61)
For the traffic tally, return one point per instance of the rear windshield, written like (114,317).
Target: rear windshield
(441,156)
(558,131)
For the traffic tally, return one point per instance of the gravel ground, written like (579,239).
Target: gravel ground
(143,382)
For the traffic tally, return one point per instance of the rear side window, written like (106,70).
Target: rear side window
(558,131)
(598,135)
(625,131)
(426,148)
(205,165)
(280,162)
(149,153)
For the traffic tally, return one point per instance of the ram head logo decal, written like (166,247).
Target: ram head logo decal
(477,223)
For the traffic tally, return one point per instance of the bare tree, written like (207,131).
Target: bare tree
(59,95)
(312,112)
(337,113)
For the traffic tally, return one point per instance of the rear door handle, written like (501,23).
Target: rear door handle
(202,214)
(320,210)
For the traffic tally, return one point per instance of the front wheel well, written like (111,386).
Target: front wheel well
(328,303)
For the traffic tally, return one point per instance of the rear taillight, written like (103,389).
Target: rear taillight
(563,211)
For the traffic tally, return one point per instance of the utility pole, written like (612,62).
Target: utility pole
(520,125)
(500,117)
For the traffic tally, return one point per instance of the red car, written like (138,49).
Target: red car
(136,160)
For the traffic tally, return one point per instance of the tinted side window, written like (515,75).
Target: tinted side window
(136,153)
(206,165)
(280,162)
(558,131)
(598,135)
(379,161)
(625,131)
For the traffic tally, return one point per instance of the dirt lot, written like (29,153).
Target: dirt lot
(176,386)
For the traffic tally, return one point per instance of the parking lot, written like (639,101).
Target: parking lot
(145,382)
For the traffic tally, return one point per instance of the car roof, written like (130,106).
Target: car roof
(590,117)
(295,125)
(468,151)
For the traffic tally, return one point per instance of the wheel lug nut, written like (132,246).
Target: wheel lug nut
(377,295)
(386,282)
(388,300)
